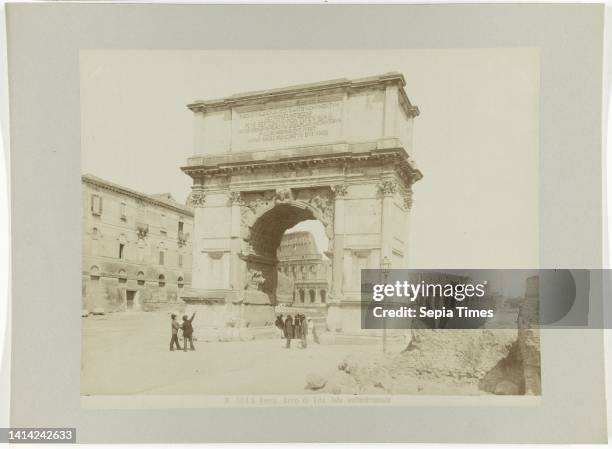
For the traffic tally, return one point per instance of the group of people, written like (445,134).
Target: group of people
(298,327)
(187,329)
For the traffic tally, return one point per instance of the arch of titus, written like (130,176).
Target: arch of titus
(336,151)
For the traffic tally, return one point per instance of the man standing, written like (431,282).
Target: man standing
(175,326)
(188,332)
(313,331)
(288,330)
(280,324)
(304,331)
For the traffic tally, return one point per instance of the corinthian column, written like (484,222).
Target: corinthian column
(387,189)
(339,192)
(237,267)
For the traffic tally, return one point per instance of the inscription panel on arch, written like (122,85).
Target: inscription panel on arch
(287,124)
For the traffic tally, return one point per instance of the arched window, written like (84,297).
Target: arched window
(180,282)
(323,294)
(302,296)
(161,280)
(94,272)
(312,295)
(122,276)
(140,277)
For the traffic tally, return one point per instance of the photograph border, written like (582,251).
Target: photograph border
(44,42)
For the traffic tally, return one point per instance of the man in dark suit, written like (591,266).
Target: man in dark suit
(188,332)
(288,330)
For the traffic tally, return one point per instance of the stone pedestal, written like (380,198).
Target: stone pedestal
(230,316)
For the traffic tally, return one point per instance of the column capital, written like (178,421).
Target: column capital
(197,198)
(387,187)
(235,197)
(339,190)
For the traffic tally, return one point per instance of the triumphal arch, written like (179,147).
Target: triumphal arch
(336,151)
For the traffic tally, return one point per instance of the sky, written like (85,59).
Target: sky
(476,140)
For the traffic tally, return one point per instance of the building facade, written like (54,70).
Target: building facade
(300,260)
(136,248)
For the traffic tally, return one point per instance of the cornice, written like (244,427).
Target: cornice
(106,185)
(306,90)
(396,157)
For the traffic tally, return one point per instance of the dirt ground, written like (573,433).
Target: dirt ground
(127,353)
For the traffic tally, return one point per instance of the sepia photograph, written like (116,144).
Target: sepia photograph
(231,199)
(311,223)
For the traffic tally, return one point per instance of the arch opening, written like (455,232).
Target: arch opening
(288,244)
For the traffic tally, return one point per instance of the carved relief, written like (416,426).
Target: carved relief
(142,230)
(196,198)
(255,280)
(387,187)
(283,195)
(324,206)
(339,190)
(260,277)
(319,199)
(408,199)
(254,204)
(235,197)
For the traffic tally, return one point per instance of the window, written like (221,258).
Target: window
(122,277)
(122,212)
(121,252)
(312,294)
(323,294)
(94,272)
(140,278)
(179,282)
(96,204)
(302,294)
(180,226)
(161,280)
(162,225)
(180,260)
(94,241)
(161,257)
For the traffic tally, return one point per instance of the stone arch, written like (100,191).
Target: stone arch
(264,231)
(316,203)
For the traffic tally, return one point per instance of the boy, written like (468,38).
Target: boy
(175,327)
(188,332)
